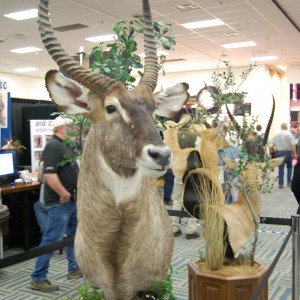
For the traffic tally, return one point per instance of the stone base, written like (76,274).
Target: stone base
(219,285)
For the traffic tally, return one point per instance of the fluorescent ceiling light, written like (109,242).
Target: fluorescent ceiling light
(23,15)
(27,69)
(263,58)
(203,24)
(239,45)
(101,38)
(26,50)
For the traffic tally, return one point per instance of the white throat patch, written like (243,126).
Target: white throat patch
(122,188)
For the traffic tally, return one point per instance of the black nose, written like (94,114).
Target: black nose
(161,156)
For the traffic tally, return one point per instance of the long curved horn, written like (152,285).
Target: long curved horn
(233,120)
(249,145)
(151,66)
(265,139)
(266,136)
(96,82)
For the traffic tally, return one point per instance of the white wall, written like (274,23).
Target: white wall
(26,87)
(259,86)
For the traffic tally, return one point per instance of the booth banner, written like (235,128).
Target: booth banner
(5,117)
(4,84)
(40,133)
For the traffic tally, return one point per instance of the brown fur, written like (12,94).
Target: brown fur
(237,214)
(124,238)
(120,248)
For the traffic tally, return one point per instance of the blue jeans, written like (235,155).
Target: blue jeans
(288,162)
(41,212)
(61,219)
(168,186)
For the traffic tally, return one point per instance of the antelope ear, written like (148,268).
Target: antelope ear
(170,124)
(170,100)
(275,162)
(171,139)
(66,93)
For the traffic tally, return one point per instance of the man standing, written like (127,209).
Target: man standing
(259,134)
(284,144)
(59,197)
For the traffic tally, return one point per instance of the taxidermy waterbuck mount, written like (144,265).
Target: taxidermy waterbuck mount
(124,238)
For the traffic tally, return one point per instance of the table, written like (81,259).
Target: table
(20,187)
(25,190)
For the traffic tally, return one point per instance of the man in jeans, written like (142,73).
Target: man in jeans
(59,196)
(284,144)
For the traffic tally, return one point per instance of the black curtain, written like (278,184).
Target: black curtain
(22,112)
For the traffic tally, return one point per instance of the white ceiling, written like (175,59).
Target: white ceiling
(261,21)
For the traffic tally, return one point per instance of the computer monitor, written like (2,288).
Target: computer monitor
(8,166)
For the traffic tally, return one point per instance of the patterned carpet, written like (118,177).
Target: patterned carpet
(14,280)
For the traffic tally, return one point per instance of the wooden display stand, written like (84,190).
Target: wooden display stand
(206,285)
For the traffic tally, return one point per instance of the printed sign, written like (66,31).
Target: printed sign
(40,133)
(4,86)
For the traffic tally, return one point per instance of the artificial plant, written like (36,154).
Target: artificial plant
(161,290)
(119,58)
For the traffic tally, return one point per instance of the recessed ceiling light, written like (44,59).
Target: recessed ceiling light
(239,45)
(203,24)
(101,38)
(26,50)
(23,15)
(27,69)
(263,58)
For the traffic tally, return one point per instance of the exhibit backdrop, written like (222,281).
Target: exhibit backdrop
(40,133)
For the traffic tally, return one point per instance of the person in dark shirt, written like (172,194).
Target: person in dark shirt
(59,200)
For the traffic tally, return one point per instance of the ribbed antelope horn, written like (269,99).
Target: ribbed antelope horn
(151,66)
(96,82)
(234,122)
(248,144)
(266,136)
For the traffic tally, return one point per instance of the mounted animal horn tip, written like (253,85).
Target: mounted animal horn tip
(96,82)
(233,120)
(267,132)
(151,65)
(250,148)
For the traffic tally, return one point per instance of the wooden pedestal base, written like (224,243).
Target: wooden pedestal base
(207,285)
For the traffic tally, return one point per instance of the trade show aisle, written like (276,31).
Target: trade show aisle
(14,280)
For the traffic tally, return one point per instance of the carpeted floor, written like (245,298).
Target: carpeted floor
(280,203)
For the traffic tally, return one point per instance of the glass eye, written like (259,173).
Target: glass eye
(110,109)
